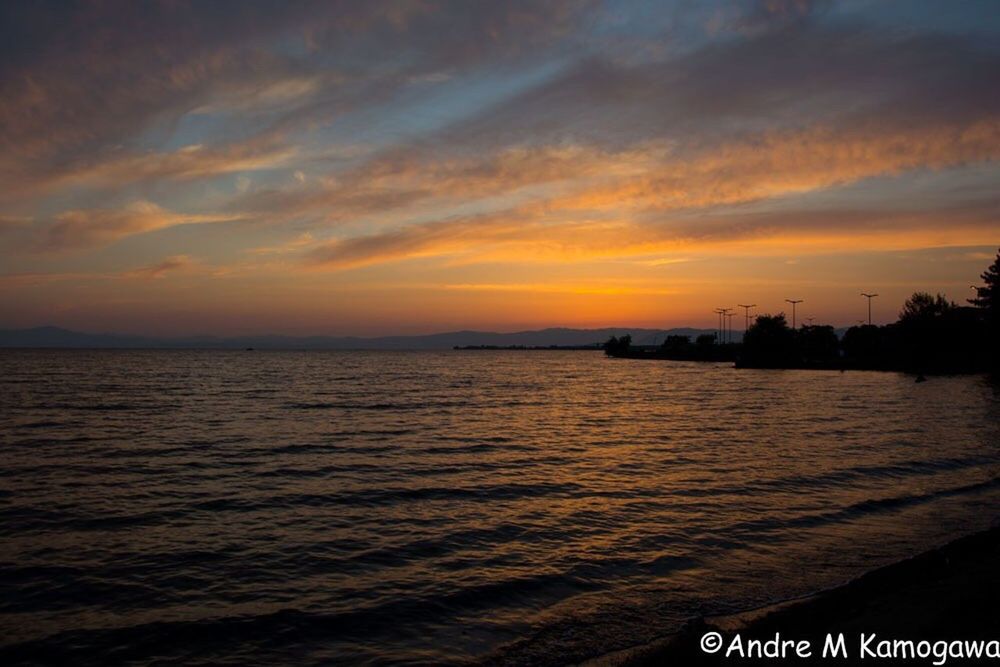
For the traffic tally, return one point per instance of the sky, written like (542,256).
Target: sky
(401,167)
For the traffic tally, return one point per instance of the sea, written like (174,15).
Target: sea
(454,507)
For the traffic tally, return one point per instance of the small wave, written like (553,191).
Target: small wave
(840,478)
(377,497)
(43,424)
(474,448)
(378,407)
(860,509)
(105,407)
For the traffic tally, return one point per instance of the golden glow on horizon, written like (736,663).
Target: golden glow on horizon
(279,179)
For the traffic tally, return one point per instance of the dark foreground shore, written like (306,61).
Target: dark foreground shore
(947,594)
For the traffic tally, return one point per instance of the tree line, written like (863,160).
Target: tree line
(931,335)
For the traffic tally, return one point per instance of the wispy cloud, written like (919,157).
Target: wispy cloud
(555,288)
(295,245)
(120,170)
(530,235)
(646,175)
(432,141)
(79,229)
(162,268)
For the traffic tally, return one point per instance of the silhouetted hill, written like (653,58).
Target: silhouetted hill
(55,337)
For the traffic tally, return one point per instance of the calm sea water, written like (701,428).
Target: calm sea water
(328,507)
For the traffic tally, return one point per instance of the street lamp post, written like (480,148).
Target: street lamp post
(793,302)
(746,311)
(724,312)
(869,297)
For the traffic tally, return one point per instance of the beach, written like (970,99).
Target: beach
(945,594)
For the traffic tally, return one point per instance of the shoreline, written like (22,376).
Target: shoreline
(951,592)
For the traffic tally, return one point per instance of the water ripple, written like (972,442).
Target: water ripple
(441,508)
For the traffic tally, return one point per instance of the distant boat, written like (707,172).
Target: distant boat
(249,349)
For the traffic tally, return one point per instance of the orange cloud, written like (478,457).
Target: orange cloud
(401,179)
(645,177)
(185,164)
(538,234)
(556,288)
(94,227)
(161,269)
(782,163)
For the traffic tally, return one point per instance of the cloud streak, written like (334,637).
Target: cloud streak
(651,179)
(80,229)
(438,142)
(162,268)
(529,235)
(650,175)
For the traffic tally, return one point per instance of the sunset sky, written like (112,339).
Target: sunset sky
(402,167)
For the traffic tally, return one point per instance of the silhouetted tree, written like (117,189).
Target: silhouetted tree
(933,334)
(705,340)
(769,342)
(863,346)
(936,335)
(675,343)
(616,346)
(988,296)
(922,307)
(987,301)
(818,343)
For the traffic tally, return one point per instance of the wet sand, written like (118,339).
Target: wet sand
(949,593)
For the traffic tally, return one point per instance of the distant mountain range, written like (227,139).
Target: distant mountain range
(54,337)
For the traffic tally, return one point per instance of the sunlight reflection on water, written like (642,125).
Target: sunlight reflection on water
(434,507)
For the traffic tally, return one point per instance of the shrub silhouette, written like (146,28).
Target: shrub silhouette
(818,343)
(615,346)
(863,345)
(705,341)
(933,334)
(675,343)
(770,343)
